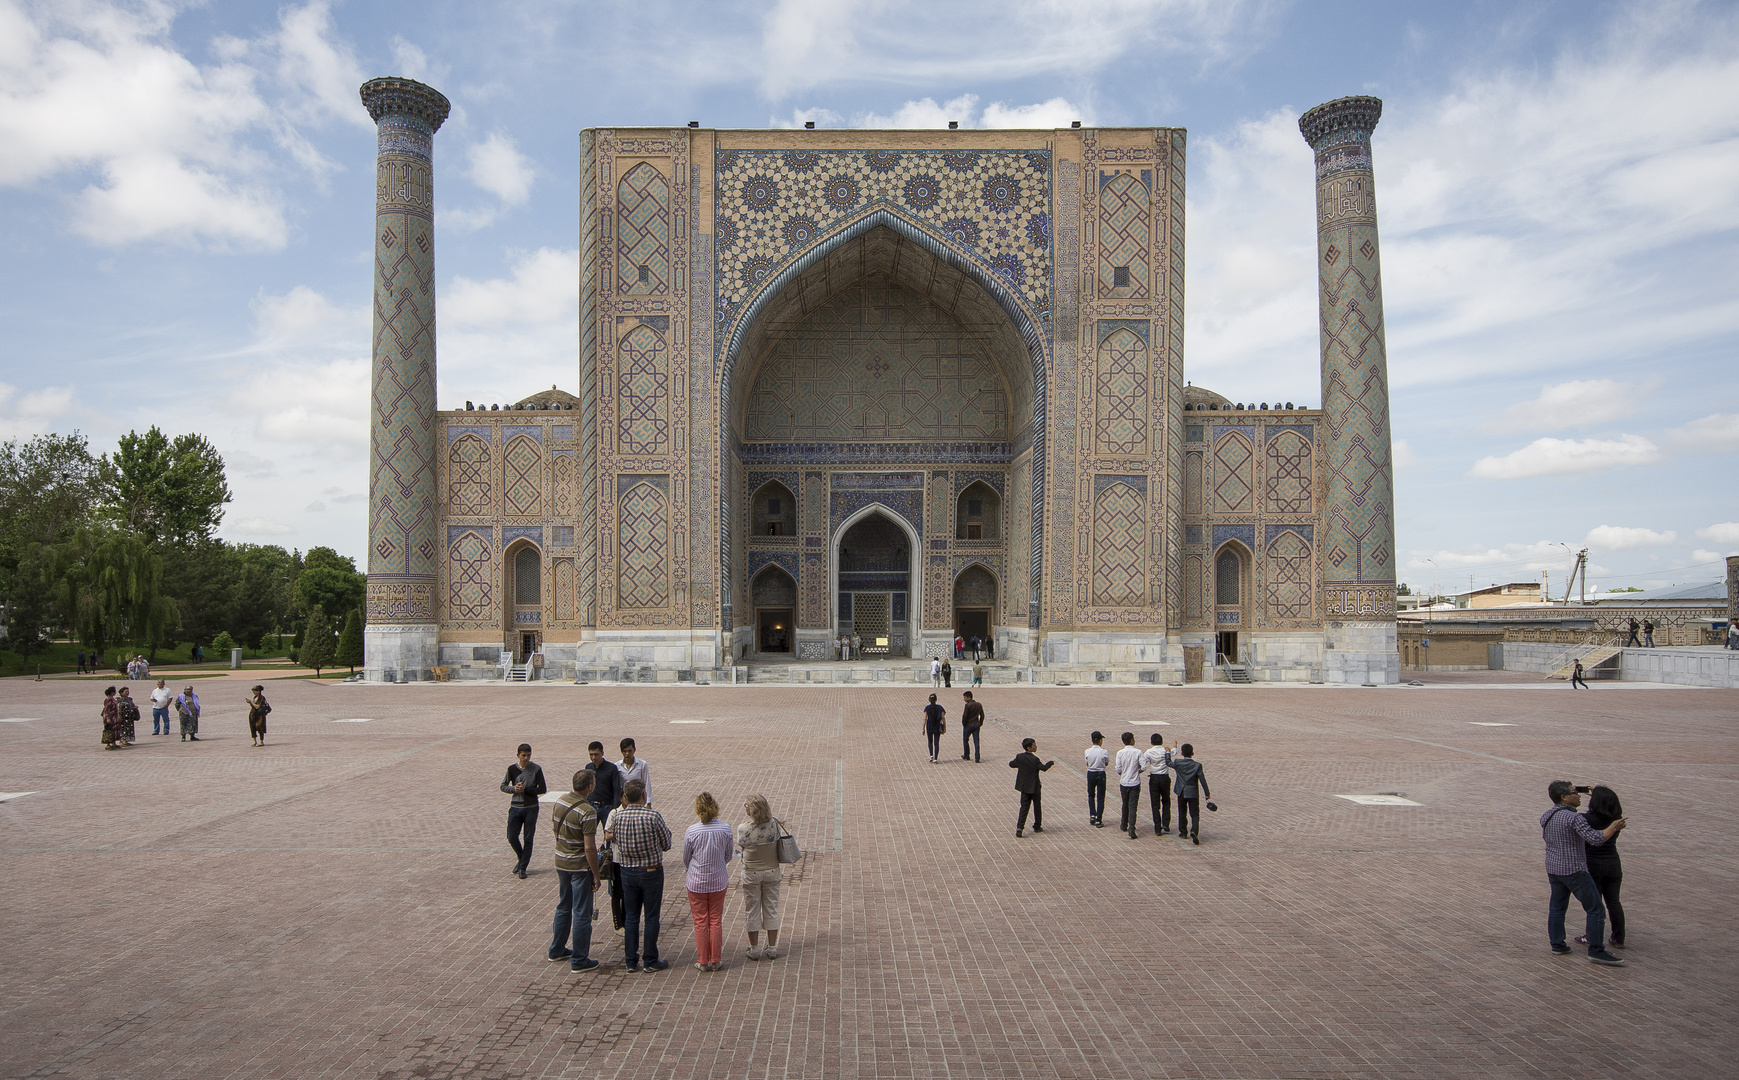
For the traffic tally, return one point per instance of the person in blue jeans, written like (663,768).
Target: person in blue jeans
(525,783)
(639,838)
(577,873)
(1568,837)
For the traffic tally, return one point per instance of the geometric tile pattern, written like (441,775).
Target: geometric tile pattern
(1289,474)
(1120,547)
(566,589)
(1120,401)
(1124,235)
(471,580)
(771,204)
(1289,573)
(562,480)
(643,242)
(975,587)
(643,393)
(468,477)
(877,362)
(1192,586)
(1359,530)
(1234,482)
(643,527)
(522,477)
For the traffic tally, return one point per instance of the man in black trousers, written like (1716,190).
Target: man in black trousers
(1189,800)
(1026,781)
(525,783)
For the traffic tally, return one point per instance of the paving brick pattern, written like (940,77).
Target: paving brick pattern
(338,903)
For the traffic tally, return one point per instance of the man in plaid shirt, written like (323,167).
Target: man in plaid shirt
(639,837)
(1568,837)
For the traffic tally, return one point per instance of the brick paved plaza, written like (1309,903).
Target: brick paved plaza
(339,903)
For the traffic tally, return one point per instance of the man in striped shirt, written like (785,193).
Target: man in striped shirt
(639,837)
(1568,837)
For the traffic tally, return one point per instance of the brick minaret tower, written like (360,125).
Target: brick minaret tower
(1357,544)
(401,639)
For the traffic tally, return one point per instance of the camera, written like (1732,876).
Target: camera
(1583,788)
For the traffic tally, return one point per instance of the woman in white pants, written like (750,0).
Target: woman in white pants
(758,842)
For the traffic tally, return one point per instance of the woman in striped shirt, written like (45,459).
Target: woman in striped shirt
(706,855)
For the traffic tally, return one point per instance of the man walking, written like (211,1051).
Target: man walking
(1634,626)
(1098,760)
(1192,788)
(1648,633)
(639,837)
(1576,678)
(1129,782)
(525,783)
(971,722)
(935,723)
(81,661)
(1568,837)
(634,768)
(1027,782)
(1157,762)
(977,673)
(576,837)
(160,699)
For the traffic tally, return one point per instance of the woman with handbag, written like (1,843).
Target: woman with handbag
(758,841)
(706,860)
(258,708)
(129,717)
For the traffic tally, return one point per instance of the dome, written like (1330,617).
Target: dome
(549,399)
(1195,397)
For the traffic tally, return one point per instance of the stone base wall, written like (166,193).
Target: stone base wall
(1360,653)
(399,653)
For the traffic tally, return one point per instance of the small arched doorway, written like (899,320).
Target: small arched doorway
(1231,600)
(974,605)
(523,592)
(874,582)
(773,510)
(773,595)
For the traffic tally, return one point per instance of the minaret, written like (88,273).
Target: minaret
(401,641)
(1357,543)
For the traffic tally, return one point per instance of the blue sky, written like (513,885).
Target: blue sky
(186,193)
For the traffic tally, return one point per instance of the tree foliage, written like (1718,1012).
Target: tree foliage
(350,642)
(163,489)
(328,581)
(318,649)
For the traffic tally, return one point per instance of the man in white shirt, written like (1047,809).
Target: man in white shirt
(634,768)
(935,671)
(160,699)
(1157,762)
(1098,759)
(1129,781)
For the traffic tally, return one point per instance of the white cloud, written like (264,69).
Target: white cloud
(923,113)
(302,318)
(252,466)
(963,110)
(497,166)
(1725,533)
(810,43)
(1508,558)
(33,412)
(1578,403)
(261,526)
(1553,457)
(410,61)
(96,99)
(530,315)
(1710,434)
(1619,538)
(1402,455)
(1702,555)
(544,286)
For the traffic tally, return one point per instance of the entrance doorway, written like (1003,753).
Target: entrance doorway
(875,559)
(1226,645)
(972,623)
(527,646)
(775,631)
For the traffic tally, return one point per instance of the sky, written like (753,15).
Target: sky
(186,195)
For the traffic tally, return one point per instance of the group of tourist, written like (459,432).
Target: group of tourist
(976,645)
(942,673)
(613,800)
(845,648)
(120,714)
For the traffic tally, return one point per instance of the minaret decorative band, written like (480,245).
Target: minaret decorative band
(1358,539)
(401,473)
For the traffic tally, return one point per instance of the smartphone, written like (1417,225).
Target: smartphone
(1583,788)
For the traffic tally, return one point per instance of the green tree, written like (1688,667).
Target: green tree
(30,605)
(260,592)
(350,642)
(112,584)
(325,556)
(320,649)
(333,588)
(202,577)
(48,486)
(163,489)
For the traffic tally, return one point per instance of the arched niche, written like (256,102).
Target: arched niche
(773,510)
(523,592)
(978,513)
(874,563)
(773,599)
(1232,599)
(976,591)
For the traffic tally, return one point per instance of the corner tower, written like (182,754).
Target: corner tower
(1358,545)
(401,639)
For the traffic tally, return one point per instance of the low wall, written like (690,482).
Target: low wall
(1695,666)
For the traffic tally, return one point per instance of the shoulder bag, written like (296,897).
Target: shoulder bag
(788,851)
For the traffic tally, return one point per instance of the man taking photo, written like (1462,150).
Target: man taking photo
(1568,837)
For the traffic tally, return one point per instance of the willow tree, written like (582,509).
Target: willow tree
(112,591)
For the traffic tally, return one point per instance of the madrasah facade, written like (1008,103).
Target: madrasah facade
(911,385)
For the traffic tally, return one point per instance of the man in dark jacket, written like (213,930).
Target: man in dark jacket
(525,783)
(607,792)
(1026,781)
(971,723)
(1189,778)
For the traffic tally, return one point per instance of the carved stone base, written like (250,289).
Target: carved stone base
(1360,653)
(394,652)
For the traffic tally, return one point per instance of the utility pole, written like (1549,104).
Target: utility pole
(1578,570)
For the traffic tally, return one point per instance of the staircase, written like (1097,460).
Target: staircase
(519,673)
(1235,673)
(1592,656)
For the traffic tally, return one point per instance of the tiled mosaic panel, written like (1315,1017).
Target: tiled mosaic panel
(877,362)
(566,585)
(1234,474)
(590,537)
(773,587)
(1120,547)
(975,587)
(468,477)
(1125,234)
(1289,479)
(1120,395)
(1192,483)
(563,496)
(772,203)
(1289,570)
(1193,586)
(643,232)
(471,581)
(643,393)
(522,477)
(642,551)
